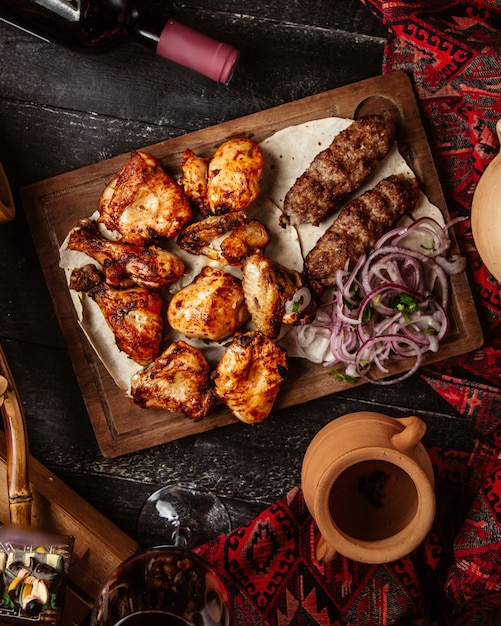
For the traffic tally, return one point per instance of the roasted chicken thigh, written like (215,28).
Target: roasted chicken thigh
(142,203)
(249,375)
(126,264)
(211,307)
(178,381)
(134,315)
(229,181)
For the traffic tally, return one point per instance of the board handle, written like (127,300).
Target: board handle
(18,484)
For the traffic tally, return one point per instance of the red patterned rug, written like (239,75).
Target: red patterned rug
(454,577)
(452,52)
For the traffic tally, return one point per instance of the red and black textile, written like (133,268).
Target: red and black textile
(270,567)
(452,52)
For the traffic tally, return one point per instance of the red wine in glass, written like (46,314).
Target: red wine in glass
(164,586)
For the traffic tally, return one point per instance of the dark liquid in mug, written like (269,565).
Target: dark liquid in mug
(152,618)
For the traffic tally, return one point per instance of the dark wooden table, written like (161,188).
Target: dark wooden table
(60,110)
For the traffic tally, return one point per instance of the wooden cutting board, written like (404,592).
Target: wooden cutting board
(53,207)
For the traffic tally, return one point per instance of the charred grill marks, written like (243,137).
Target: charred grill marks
(338,171)
(359,225)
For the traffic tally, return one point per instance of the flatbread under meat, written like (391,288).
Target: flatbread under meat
(359,225)
(338,171)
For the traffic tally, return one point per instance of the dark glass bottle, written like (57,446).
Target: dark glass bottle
(98,25)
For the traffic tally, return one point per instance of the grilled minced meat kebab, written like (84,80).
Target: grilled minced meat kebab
(359,225)
(338,171)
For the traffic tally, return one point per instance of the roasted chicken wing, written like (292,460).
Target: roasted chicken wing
(194,179)
(270,290)
(338,171)
(179,381)
(228,238)
(142,203)
(123,264)
(249,375)
(134,315)
(359,225)
(233,177)
(211,307)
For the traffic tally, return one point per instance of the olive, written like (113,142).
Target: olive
(33,608)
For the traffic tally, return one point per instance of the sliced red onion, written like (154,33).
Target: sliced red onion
(300,300)
(379,350)
(383,310)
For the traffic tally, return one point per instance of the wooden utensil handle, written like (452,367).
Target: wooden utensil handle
(18,485)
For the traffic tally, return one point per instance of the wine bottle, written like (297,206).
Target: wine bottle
(97,25)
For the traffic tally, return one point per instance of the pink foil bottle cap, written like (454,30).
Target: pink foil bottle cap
(199,52)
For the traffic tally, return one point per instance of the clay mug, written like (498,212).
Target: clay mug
(368,482)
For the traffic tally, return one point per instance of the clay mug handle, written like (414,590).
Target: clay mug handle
(407,440)
(498,129)
(325,551)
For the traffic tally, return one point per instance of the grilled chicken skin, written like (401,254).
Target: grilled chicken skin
(233,177)
(359,225)
(211,307)
(228,238)
(194,179)
(142,203)
(126,264)
(179,381)
(249,375)
(134,315)
(338,171)
(268,289)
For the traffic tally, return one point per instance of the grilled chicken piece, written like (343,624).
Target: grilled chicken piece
(134,315)
(123,264)
(233,177)
(338,171)
(249,375)
(179,381)
(359,225)
(142,203)
(211,307)
(194,179)
(269,290)
(228,238)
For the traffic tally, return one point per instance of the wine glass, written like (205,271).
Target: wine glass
(182,516)
(166,583)
(161,586)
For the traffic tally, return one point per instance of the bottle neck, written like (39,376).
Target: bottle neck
(146,30)
(188,47)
